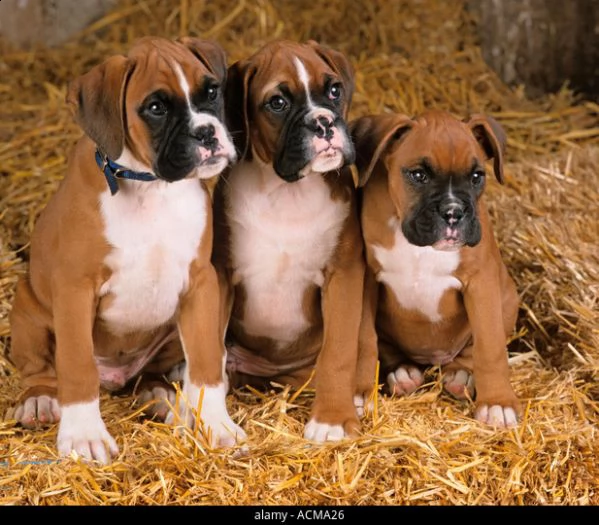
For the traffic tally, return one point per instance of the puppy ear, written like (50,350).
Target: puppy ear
(492,138)
(209,53)
(339,63)
(237,102)
(97,100)
(372,135)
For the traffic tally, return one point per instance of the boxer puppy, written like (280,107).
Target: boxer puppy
(120,278)
(289,249)
(436,288)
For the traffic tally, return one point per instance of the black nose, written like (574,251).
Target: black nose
(322,127)
(205,136)
(452,213)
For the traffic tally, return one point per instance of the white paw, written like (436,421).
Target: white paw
(362,405)
(159,399)
(82,430)
(321,432)
(215,422)
(497,416)
(405,380)
(35,411)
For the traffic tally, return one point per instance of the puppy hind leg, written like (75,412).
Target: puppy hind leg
(405,377)
(155,390)
(33,355)
(155,395)
(457,376)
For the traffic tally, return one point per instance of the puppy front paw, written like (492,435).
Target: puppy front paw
(319,431)
(497,416)
(82,430)
(322,432)
(214,420)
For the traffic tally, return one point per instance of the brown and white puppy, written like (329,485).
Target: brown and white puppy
(436,287)
(120,277)
(289,245)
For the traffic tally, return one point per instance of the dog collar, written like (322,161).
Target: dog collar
(113,171)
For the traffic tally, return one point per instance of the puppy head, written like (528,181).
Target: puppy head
(160,109)
(435,169)
(287,104)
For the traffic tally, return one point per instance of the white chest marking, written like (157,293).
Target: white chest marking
(155,229)
(418,276)
(283,235)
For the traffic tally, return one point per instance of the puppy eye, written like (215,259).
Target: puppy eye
(334,92)
(419,176)
(477,178)
(157,108)
(277,104)
(212,93)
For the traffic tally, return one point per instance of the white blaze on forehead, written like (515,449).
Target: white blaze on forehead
(183,83)
(304,79)
(199,119)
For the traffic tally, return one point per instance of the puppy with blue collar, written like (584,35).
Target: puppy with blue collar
(120,279)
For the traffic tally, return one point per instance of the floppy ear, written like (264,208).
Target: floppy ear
(239,78)
(97,100)
(490,135)
(339,63)
(372,135)
(209,53)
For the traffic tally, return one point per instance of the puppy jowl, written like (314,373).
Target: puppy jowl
(132,290)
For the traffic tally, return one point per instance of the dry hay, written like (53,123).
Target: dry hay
(423,449)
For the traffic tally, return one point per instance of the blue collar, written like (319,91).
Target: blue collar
(113,171)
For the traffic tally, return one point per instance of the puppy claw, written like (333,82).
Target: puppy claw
(100,450)
(497,416)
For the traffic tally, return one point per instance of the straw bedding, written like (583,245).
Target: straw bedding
(423,449)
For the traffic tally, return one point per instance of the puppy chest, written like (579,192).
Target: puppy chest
(280,249)
(418,277)
(155,233)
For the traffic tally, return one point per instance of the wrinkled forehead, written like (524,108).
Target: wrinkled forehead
(171,68)
(294,69)
(446,145)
